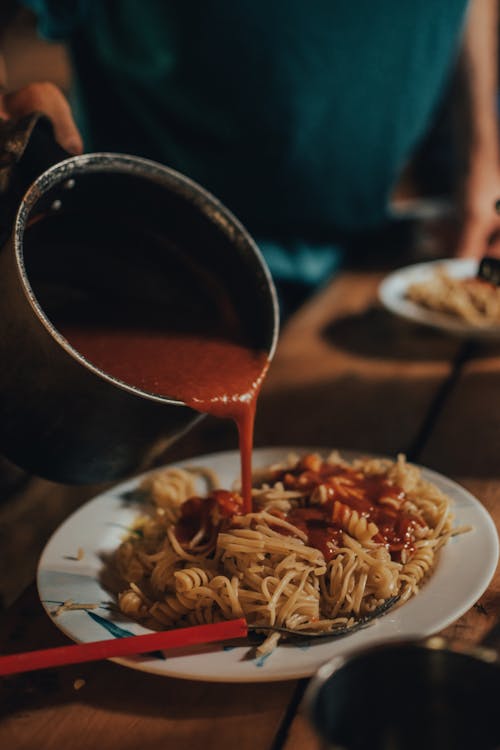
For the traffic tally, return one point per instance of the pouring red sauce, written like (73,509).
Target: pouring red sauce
(213,375)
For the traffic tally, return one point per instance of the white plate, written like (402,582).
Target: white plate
(392,294)
(463,573)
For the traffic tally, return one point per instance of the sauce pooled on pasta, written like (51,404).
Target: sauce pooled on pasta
(345,490)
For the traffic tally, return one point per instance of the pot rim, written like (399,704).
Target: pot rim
(107,161)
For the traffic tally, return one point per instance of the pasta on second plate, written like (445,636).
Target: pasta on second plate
(472,300)
(328,542)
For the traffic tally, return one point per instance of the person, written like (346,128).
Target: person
(299,116)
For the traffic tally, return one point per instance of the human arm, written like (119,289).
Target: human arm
(479,182)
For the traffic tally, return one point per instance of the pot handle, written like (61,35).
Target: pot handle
(27,148)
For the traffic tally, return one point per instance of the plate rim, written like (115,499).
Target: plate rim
(265,676)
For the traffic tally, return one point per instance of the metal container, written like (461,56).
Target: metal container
(114,226)
(410,695)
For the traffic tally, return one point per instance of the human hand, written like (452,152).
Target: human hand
(48,99)
(480,223)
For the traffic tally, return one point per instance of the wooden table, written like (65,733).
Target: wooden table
(347,375)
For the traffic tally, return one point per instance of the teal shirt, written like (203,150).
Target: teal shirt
(298,115)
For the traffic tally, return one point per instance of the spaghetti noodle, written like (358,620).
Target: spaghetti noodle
(327,542)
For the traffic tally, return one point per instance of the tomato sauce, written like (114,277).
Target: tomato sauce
(206,514)
(321,532)
(366,495)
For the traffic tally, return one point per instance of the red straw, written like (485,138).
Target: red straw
(135,644)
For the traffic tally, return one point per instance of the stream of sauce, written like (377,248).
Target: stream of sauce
(213,375)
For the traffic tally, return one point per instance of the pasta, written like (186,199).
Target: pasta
(327,542)
(473,300)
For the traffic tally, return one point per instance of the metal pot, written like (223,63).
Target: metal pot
(114,226)
(408,695)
